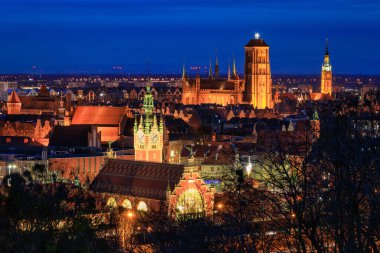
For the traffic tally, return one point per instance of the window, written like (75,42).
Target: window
(212,169)
(126,204)
(111,203)
(142,207)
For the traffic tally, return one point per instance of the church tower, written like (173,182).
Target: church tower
(258,81)
(148,132)
(326,77)
(14,103)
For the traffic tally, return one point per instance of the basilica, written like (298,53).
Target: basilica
(255,88)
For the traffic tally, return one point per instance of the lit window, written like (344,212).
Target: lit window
(142,207)
(111,203)
(127,204)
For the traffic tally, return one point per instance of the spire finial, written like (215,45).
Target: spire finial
(210,69)
(183,71)
(257,36)
(216,64)
(229,71)
(327,47)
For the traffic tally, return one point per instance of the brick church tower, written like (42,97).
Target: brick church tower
(13,103)
(148,132)
(326,76)
(258,81)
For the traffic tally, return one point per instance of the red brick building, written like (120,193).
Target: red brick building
(142,186)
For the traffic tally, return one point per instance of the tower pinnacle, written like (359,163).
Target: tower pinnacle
(210,69)
(216,64)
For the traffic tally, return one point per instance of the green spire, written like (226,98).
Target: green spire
(315,114)
(135,124)
(148,101)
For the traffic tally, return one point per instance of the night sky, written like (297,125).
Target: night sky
(83,36)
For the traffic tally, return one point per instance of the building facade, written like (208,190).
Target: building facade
(258,81)
(212,90)
(148,133)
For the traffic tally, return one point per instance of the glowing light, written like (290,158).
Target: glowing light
(257,36)
(220,206)
(130,214)
(248,168)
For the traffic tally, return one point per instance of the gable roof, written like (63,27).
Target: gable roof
(139,179)
(13,98)
(97,115)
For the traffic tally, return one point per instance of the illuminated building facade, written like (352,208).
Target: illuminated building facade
(326,76)
(176,189)
(258,81)
(14,103)
(148,133)
(212,89)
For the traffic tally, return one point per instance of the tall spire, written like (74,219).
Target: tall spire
(234,68)
(216,64)
(210,69)
(184,72)
(326,66)
(229,71)
(315,114)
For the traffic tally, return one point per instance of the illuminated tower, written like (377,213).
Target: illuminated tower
(258,81)
(148,132)
(13,103)
(326,77)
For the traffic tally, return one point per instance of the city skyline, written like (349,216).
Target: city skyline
(93,36)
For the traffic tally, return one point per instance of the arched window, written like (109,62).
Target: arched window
(190,202)
(126,204)
(142,207)
(111,203)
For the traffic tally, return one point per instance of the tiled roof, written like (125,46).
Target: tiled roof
(140,179)
(13,98)
(212,84)
(257,43)
(97,115)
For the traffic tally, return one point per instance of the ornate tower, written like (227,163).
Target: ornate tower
(326,77)
(258,81)
(148,133)
(14,103)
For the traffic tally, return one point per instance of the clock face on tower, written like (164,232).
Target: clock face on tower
(140,136)
(154,137)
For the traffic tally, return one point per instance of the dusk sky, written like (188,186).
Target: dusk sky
(74,36)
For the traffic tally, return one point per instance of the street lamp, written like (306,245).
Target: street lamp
(10,166)
(248,168)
